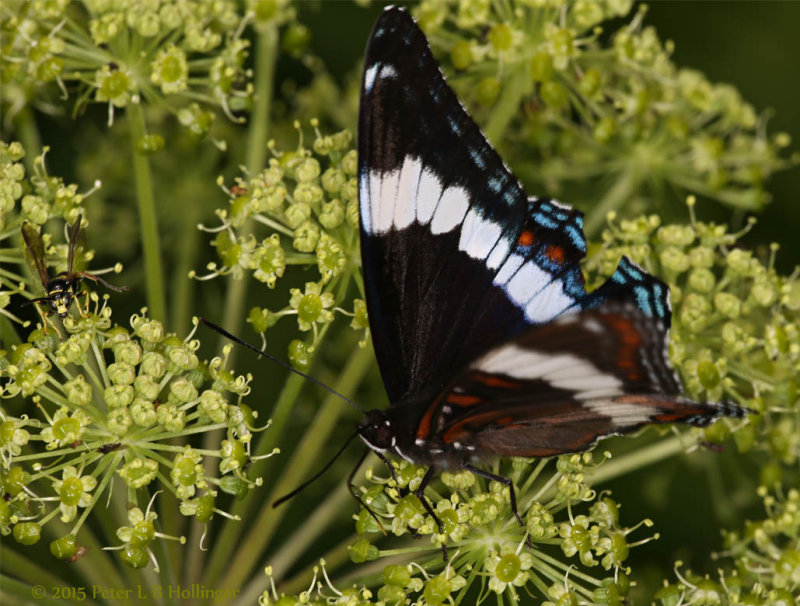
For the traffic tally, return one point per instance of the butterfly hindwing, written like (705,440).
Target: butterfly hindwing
(560,386)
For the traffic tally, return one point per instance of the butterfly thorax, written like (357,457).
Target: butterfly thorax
(394,432)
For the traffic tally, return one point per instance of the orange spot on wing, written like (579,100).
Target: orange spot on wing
(627,355)
(494,381)
(424,426)
(463,399)
(525,238)
(554,253)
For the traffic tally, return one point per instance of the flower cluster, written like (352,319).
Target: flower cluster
(185,55)
(547,557)
(549,84)
(112,403)
(34,198)
(735,326)
(765,567)
(306,201)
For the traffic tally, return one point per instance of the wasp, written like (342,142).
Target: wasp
(64,288)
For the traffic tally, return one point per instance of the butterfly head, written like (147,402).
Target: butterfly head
(376,431)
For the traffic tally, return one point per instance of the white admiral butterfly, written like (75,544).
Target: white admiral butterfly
(486,339)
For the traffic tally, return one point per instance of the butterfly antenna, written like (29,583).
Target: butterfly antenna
(261,352)
(302,486)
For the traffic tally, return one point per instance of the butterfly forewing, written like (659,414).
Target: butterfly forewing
(455,255)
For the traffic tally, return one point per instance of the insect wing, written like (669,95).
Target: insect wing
(456,258)
(35,252)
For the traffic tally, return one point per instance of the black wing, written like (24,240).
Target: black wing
(76,241)
(35,251)
(456,258)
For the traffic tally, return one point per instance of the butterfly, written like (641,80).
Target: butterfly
(486,339)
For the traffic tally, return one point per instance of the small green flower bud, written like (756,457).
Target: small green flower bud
(146,388)
(333,179)
(296,214)
(119,421)
(270,261)
(261,319)
(763,292)
(461,55)
(135,557)
(350,163)
(717,433)
(154,365)
(78,391)
(553,94)
(65,547)
(295,39)
(179,356)
(701,280)
(362,551)
(332,215)
(139,472)
(306,237)
(437,589)
(727,304)
(741,262)
(676,235)
(605,129)
(148,330)
(392,595)
(213,405)
(695,311)
(487,91)
(674,259)
(120,373)
(15,480)
(27,533)
(331,258)
(234,485)
(143,412)
(117,396)
(501,37)
(587,13)
(170,417)
(307,193)
(234,456)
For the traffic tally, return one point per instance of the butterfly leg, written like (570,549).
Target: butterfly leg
(504,481)
(351,486)
(420,494)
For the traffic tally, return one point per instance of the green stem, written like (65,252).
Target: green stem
(28,136)
(228,539)
(641,457)
(313,442)
(621,192)
(148,223)
(266,54)
(508,105)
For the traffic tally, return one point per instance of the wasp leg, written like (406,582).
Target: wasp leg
(46,321)
(78,303)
